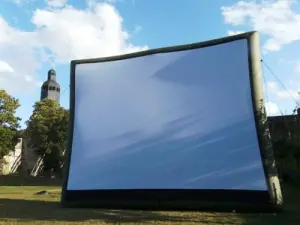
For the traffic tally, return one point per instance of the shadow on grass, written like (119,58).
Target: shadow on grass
(14,180)
(37,210)
(52,211)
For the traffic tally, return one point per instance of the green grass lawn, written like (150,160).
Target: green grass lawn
(19,205)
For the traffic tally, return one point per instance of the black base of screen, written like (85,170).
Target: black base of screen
(204,200)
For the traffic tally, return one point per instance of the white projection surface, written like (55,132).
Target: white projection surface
(179,120)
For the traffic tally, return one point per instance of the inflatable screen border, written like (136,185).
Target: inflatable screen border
(213,200)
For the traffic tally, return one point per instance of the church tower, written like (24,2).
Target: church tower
(50,88)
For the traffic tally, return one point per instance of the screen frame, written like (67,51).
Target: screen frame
(179,199)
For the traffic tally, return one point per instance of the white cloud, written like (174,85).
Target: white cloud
(286,61)
(92,3)
(272,45)
(73,34)
(291,94)
(272,85)
(295,63)
(56,3)
(281,93)
(137,29)
(5,67)
(66,33)
(274,18)
(18,58)
(297,66)
(272,108)
(231,32)
(20,2)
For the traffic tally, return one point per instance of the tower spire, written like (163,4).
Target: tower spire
(52,64)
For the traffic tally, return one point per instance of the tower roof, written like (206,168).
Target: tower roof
(51,83)
(51,72)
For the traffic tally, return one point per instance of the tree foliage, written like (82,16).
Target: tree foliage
(47,127)
(285,148)
(287,154)
(9,123)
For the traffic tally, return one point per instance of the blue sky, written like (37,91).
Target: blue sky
(35,31)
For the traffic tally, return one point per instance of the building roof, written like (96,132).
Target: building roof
(50,83)
(51,72)
(283,118)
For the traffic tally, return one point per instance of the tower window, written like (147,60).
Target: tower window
(58,89)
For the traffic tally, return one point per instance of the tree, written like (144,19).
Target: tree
(9,123)
(287,154)
(47,127)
